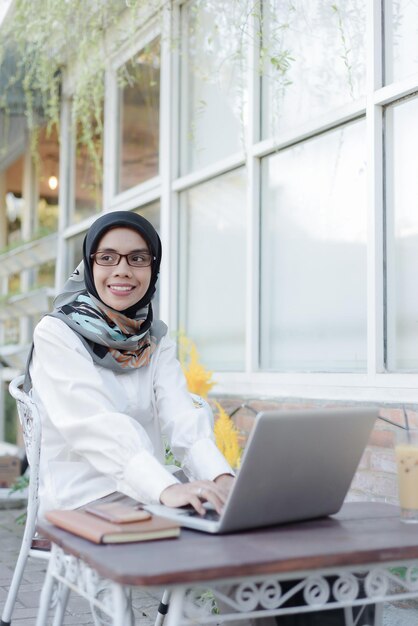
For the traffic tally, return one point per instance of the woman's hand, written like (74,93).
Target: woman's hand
(195,493)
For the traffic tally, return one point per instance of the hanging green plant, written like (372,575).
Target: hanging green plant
(40,39)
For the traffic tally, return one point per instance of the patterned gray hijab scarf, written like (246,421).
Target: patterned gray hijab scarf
(114,340)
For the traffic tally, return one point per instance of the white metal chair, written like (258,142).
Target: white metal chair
(31,428)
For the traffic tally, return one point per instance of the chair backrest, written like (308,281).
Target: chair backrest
(30,422)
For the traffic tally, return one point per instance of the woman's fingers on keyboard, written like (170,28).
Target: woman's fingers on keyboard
(194,493)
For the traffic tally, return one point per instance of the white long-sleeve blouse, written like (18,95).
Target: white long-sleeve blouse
(104,431)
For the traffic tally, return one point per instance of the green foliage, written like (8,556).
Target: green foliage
(170,459)
(47,36)
(401,573)
(21,484)
(21,519)
(346,50)
(207,599)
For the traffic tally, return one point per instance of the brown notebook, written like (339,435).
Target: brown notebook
(117,512)
(99,530)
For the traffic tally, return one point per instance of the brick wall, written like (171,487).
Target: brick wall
(375,479)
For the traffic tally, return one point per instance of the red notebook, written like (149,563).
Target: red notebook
(98,530)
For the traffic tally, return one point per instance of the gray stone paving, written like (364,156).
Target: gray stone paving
(78,611)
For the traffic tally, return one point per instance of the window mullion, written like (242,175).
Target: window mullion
(168,112)
(253,201)
(66,159)
(110,147)
(375,261)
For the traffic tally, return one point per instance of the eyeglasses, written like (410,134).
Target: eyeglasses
(134,259)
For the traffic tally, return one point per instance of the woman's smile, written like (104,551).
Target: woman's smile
(121,289)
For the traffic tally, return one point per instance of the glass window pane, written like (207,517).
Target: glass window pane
(212,270)
(139,117)
(48,208)
(46,274)
(401,39)
(313,254)
(13,283)
(14,204)
(75,252)
(214,94)
(151,212)
(313,59)
(88,174)
(11,331)
(402,236)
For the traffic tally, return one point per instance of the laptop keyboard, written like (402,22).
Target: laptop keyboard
(210,514)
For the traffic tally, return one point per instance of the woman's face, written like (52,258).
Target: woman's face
(121,286)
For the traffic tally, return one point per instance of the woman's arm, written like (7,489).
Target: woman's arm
(189,431)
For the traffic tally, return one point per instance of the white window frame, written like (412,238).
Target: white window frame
(375,385)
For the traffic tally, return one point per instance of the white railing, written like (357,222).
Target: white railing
(33,302)
(28,255)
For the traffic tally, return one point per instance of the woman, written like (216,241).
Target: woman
(110,390)
(109,387)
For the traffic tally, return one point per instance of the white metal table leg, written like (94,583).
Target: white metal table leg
(348,616)
(62,601)
(177,597)
(66,573)
(378,615)
(122,614)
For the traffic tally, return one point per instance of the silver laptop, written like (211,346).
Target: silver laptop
(297,465)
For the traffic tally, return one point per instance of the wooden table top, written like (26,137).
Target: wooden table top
(361,533)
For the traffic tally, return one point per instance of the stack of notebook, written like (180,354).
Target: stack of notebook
(114,523)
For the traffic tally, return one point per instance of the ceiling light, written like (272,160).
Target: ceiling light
(53,182)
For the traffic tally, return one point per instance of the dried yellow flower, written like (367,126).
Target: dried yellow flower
(199,379)
(226,436)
